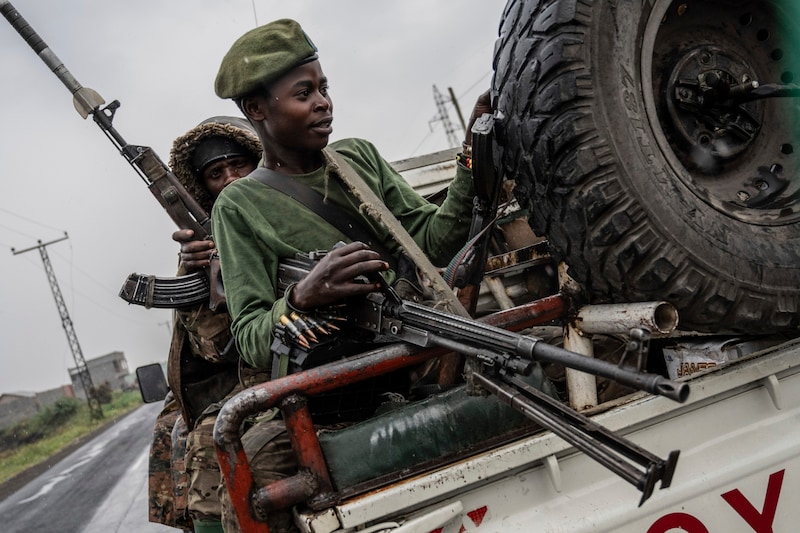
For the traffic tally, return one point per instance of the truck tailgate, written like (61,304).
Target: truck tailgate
(739,468)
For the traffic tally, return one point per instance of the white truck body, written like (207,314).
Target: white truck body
(739,468)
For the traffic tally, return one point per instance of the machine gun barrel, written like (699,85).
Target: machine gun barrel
(424,325)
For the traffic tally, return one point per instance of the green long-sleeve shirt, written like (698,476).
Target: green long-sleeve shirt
(256,226)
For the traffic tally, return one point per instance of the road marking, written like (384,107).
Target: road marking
(47,487)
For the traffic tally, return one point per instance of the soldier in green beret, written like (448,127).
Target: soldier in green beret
(274,75)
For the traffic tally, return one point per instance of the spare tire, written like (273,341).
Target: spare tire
(650,159)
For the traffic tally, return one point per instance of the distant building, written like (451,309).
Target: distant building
(18,406)
(111,368)
(49,397)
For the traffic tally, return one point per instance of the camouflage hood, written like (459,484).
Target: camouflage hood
(180,156)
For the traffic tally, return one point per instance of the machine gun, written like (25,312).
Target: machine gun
(503,355)
(181,207)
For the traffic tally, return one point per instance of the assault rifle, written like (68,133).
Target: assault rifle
(503,355)
(182,208)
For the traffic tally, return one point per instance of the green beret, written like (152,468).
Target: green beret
(261,56)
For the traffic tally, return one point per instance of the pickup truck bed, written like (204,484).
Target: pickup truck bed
(739,468)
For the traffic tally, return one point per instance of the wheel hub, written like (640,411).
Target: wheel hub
(730,144)
(701,108)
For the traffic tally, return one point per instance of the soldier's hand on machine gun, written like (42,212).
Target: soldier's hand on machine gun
(334,277)
(194,254)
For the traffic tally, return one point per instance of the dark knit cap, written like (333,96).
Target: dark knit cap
(183,148)
(212,149)
(261,56)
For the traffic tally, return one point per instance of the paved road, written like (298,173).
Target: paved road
(99,488)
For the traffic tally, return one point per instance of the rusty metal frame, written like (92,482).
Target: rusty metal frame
(312,481)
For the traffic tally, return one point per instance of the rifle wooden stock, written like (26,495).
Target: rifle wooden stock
(181,207)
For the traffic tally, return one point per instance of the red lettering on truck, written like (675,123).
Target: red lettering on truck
(760,522)
(683,521)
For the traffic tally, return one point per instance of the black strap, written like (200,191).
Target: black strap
(315,202)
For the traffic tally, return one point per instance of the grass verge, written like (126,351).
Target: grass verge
(14,461)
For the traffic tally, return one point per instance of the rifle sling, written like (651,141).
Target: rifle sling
(316,203)
(381,213)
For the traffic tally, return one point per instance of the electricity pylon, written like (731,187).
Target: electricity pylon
(80,363)
(443,117)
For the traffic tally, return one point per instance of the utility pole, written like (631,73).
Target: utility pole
(454,101)
(444,118)
(80,363)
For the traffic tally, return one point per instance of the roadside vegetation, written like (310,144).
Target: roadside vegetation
(33,441)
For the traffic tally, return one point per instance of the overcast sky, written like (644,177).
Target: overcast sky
(159,59)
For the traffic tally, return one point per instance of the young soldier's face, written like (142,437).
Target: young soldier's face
(223,172)
(299,109)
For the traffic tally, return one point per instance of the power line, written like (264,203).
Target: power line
(29,220)
(86,274)
(74,291)
(414,151)
(474,84)
(17,232)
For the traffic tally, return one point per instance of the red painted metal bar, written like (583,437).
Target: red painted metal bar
(239,481)
(283,493)
(312,478)
(233,462)
(529,315)
(304,439)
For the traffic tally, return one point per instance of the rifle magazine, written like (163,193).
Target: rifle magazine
(165,292)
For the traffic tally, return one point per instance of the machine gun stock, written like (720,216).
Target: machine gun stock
(181,207)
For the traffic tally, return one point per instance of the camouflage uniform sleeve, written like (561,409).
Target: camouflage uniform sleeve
(209,332)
